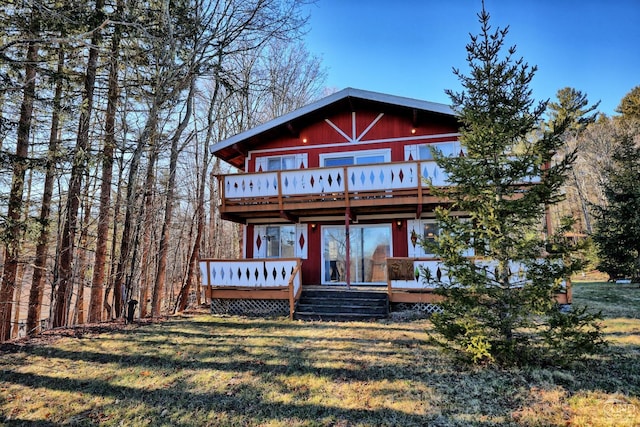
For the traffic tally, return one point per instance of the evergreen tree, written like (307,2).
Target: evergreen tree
(630,104)
(617,233)
(500,305)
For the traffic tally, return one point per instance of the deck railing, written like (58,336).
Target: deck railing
(317,182)
(425,274)
(270,278)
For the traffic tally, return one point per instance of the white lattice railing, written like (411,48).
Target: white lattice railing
(254,274)
(249,273)
(416,274)
(319,181)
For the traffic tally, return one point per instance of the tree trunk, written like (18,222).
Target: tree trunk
(80,159)
(104,217)
(168,213)
(147,227)
(114,243)
(131,197)
(40,263)
(14,210)
(82,258)
(16,317)
(192,269)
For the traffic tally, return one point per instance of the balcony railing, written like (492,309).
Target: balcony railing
(333,186)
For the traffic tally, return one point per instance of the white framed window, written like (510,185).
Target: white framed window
(424,151)
(279,163)
(425,230)
(366,157)
(369,248)
(419,231)
(280,241)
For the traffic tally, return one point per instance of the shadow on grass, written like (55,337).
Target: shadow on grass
(241,405)
(253,360)
(252,349)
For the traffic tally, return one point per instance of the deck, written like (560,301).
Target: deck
(388,188)
(280,279)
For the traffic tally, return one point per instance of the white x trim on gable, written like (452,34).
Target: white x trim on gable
(354,136)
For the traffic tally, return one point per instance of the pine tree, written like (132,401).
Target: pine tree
(617,233)
(500,305)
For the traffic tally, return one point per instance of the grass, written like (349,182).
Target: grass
(231,371)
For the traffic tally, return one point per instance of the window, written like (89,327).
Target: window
(449,149)
(283,162)
(419,231)
(355,158)
(280,241)
(369,248)
(279,163)
(431,230)
(426,231)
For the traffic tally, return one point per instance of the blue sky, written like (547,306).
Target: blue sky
(409,47)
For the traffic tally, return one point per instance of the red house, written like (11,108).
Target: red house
(333,195)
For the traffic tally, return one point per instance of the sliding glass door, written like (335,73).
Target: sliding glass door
(370,245)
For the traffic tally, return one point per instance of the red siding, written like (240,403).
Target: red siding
(321,133)
(249,241)
(311,268)
(400,242)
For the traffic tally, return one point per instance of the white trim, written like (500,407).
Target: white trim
(372,124)
(354,137)
(253,153)
(337,129)
(259,231)
(244,241)
(302,231)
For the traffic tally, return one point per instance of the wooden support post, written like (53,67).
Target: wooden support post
(347,220)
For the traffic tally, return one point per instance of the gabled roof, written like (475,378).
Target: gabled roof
(234,149)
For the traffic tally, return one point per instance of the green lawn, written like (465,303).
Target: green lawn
(231,371)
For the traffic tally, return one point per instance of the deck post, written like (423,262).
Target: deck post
(347,219)
(347,260)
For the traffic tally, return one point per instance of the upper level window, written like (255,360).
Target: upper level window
(355,158)
(279,163)
(424,151)
(448,149)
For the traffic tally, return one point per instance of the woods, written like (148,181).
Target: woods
(107,111)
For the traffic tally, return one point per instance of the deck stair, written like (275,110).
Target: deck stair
(342,304)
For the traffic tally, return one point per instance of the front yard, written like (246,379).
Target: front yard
(230,371)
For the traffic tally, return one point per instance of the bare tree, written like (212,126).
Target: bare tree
(14,211)
(80,159)
(104,217)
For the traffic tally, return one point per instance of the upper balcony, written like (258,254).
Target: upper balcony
(372,189)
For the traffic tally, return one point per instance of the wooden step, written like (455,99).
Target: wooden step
(342,305)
